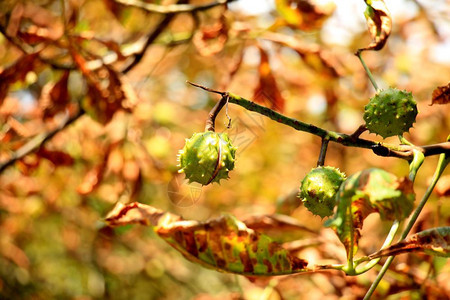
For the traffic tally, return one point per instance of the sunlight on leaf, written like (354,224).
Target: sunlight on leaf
(210,40)
(313,55)
(441,95)
(366,192)
(304,14)
(379,23)
(16,72)
(267,90)
(224,244)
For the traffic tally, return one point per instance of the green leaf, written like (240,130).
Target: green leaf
(224,244)
(366,192)
(379,23)
(435,241)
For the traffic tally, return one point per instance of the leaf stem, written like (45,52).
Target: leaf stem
(39,140)
(444,159)
(366,68)
(211,121)
(387,242)
(323,151)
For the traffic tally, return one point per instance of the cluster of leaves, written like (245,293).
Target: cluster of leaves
(93,108)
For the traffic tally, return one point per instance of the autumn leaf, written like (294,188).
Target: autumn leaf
(91,180)
(210,40)
(267,89)
(42,25)
(304,14)
(379,23)
(94,176)
(224,244)
(441,95)
(105,93)
(275,222)
(369,191)
(55,97)
(16,72)
(435,241)
(313,55)
(57,158)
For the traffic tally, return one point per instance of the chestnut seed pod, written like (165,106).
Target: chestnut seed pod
(207,157)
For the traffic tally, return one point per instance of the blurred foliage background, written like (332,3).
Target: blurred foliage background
(97,132)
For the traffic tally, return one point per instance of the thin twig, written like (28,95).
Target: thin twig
(211,121)
(173,8)
(169,12)
(360,130)
(206,88)
(323,151)
(38,141)
(366,68)
(151,38)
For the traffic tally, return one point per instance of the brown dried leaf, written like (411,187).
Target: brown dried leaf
(114,7)
(16,72)
(441,95)
(137,213)
(379,23)
(210,40)
(304,14)
(110,44)
(55,97)
(313,56)
(267,89)
(14,19)
(275,222)
(19,128)
(58,158)
(115,161)
(435,241)
(47,25)
(224,244)
(91,180)
(101,103)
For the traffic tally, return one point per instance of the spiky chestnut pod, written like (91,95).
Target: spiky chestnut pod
(319,188)
(390,112)
(207,157)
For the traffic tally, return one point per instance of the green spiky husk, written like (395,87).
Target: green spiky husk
(390,112)
(319,188)
(207,157)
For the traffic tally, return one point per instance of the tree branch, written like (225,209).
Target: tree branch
(381,149)
(173,8)
(170,12)
(151,38)
(38,141)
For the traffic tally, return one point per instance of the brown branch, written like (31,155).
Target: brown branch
(38,141)
(210,122)
(151,38)
(172,8)
(360,130)
(323,151)
(381,149)
(170,12)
